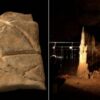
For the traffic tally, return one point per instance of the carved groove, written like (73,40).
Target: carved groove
(9,53)
(28,38)
(26,35)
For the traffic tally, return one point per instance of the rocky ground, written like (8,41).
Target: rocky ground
(76,88)
(88,85)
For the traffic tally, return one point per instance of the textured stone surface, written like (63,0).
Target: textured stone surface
(91,85)
(20,54)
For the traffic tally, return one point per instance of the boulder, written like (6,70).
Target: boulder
(21,63)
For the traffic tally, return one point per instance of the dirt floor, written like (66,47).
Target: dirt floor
(74,88)
(88,85)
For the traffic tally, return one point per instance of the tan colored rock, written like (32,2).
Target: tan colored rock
(95,75)
(20,54)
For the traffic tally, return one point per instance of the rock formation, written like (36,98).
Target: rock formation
(83,66)
(20,54)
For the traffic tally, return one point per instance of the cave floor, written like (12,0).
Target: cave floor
(86,85)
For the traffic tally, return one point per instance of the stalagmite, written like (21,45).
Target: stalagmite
(83,66)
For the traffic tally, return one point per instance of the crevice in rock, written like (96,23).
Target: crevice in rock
(9,53)
(26,35)
(16,71)
(30,68)
(28,38)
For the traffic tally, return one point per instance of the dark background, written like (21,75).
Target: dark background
(39,11)
(68,17)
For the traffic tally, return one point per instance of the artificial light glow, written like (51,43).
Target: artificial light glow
(53,47)
(70,47)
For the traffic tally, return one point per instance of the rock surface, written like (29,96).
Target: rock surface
(91,85)
(20,54)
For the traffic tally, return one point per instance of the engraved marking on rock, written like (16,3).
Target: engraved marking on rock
(10,53)
(15,71)
(30,40)
(2,28)
(35,66)
(6,22)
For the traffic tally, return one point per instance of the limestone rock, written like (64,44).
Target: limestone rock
(20,54)
(83,71)
(95,75)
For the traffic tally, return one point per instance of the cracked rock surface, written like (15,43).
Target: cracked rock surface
(21,63)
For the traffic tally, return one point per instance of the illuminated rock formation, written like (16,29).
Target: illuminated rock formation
(83,66)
